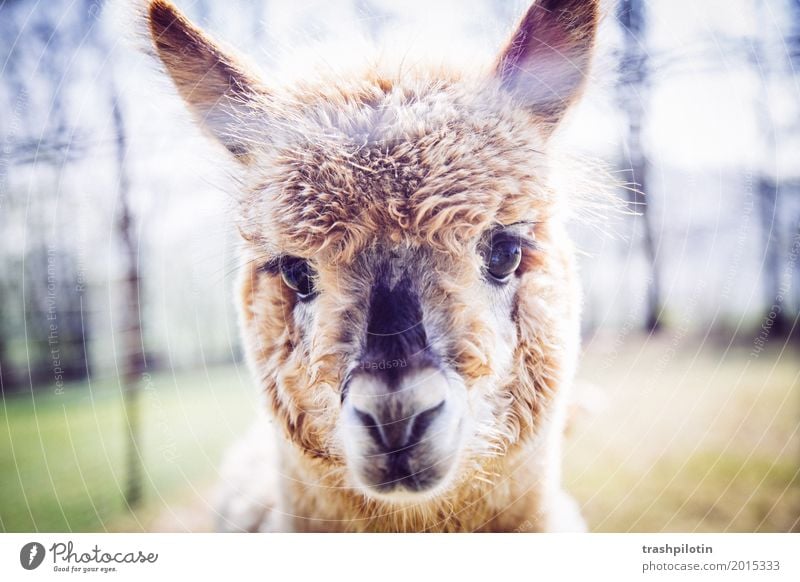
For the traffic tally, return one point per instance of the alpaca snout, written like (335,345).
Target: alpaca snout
(402,439)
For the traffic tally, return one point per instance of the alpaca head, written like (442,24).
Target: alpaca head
(409,306)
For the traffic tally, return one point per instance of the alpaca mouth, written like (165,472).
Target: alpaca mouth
(399,479)
(400,475)
(406,475)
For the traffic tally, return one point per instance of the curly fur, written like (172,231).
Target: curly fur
(340,172)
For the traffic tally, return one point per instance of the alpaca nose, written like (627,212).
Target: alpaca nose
(397,428)
(398,417)
(396,436)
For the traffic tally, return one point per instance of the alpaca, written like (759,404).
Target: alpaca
(409,305)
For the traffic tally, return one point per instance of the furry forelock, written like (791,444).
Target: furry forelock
(427,161)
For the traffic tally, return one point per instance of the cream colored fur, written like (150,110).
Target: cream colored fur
(423,162)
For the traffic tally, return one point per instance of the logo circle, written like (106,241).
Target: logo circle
(31,555)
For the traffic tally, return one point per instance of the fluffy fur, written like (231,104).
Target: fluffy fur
(388,166)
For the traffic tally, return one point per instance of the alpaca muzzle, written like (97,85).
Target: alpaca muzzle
(401,437)
(402,409)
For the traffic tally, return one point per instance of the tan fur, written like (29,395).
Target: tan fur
(334,170)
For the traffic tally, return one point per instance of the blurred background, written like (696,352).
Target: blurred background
(120,365)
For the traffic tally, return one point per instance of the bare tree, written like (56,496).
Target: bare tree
(769,189)
(632,91)
(49,265)
(133,357)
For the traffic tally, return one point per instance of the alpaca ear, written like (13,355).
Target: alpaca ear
(547,59)
(219,92)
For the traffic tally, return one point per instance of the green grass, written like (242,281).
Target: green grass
(683,440)
(688,439)
(62,456)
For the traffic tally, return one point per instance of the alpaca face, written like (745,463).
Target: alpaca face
(395,262)
(409,305)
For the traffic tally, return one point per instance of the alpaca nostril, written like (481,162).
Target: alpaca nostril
(396,435)
(422,421)
(371,424)
(366,418)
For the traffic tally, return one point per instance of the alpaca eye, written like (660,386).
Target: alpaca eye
(503,259)
(298,276)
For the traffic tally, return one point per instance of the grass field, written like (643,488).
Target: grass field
(688,439)
(677,439)
(62,457)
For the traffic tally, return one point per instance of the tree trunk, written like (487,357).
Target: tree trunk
(632,90)
(133,358)
(768,190)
